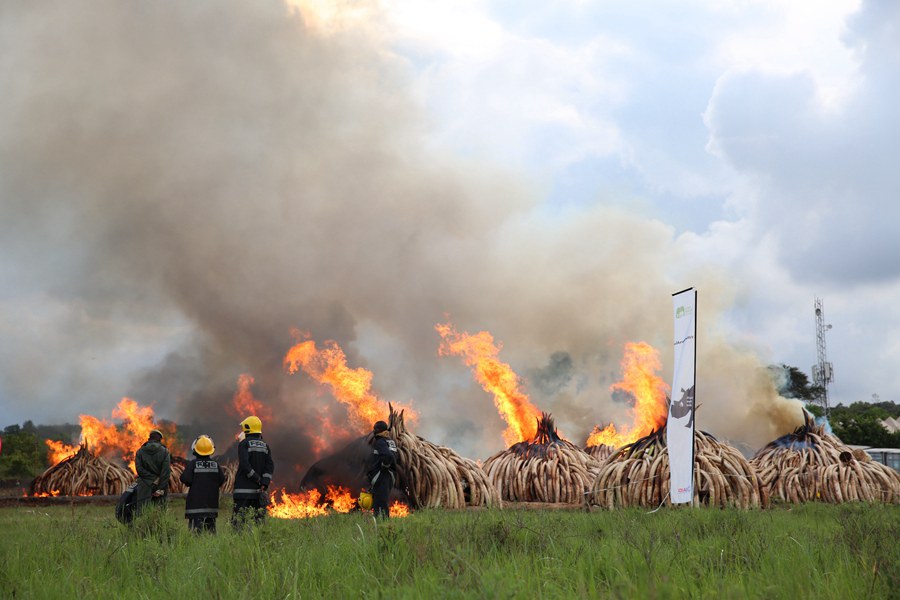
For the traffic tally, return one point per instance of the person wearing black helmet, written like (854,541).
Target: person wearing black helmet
(381,468)
(154,467)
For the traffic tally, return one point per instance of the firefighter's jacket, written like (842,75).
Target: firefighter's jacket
(154,467)
(255,467)
(205,476)
(383,459)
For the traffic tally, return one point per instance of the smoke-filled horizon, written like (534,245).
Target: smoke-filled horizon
(184,183)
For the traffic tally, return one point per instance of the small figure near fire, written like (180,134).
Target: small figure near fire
(205,477)
(154,467)
(381,468)
(254,474)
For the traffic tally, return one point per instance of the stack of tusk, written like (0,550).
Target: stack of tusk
(638,475)
(83,474)
(230,469)
(811,464)
(435,476)
(175,486)
(545,469)
(601,451)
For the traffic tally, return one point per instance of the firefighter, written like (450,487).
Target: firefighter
(381,468)
(204,476)
(154,467)
(254,474)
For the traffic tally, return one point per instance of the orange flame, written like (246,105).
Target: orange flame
(304,505)
(244,403)
(640,366)
(495,377)
(341,499)
(296,506)
(59,451)
(351,387)
(104,438)
(398,509)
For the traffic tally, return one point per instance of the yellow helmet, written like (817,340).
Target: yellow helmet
(203,446)
(365,500)
(251,425)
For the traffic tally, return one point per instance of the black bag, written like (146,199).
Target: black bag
(126,505)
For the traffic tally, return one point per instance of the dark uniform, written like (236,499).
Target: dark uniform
(254,474)
(381,469)
(154,467)
(201,507)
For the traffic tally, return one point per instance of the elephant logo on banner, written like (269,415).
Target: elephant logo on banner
(684,406)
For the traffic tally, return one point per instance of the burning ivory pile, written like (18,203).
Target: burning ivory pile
(83,474)
(811,464)
(436,476)
(601,451)
(545,469)
(638,475)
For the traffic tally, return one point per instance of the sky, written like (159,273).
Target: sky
(183,183)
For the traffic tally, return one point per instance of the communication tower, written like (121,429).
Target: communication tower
(822,372)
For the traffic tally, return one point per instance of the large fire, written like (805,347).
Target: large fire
(59,451)
(351,387)
(304,505)
(640,366)
(244,403)
(105,438)
(496,377)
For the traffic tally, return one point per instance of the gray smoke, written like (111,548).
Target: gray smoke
(213,173)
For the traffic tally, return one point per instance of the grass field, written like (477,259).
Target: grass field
(811,551)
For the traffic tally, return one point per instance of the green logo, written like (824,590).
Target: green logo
(683,311)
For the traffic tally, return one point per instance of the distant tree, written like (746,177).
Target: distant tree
(66,432)
(866,431)
(23,456)
(816,410)
(860,424)
(891,408)
(791,382)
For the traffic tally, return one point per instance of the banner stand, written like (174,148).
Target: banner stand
(680,423)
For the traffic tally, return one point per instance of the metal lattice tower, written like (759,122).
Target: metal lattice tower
(823,374)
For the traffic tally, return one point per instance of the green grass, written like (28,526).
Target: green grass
(812,551)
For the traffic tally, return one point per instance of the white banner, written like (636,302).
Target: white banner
(680,425)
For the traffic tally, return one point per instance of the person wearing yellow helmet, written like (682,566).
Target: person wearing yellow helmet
(154,467)
(381,468)
(254,474)
(205,476)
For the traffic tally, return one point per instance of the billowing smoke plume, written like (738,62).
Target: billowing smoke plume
(216,172)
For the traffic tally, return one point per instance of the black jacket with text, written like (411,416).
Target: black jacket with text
(205,477)
(255,467)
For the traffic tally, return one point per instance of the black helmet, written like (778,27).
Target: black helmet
(379,427)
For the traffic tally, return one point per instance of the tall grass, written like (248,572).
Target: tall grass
(811,551)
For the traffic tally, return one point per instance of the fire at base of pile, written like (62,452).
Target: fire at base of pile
(546,469)
(436,476)
(638,475)
(811,465)
(82,474)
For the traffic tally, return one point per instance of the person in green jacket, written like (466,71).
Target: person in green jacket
(154,466)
